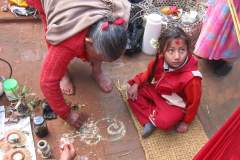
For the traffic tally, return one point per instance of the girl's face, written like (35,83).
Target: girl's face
(176,53)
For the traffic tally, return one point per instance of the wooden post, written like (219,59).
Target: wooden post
(235,18)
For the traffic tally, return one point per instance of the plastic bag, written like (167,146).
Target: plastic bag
(135,36)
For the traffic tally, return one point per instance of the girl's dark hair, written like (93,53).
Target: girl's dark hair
(164,42)
(111,41)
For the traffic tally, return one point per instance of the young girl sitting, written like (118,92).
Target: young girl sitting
(168,93)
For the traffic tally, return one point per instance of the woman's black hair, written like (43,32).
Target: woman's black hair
(111,41)
(164,41)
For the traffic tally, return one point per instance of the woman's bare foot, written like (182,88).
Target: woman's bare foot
(66,85)
(103,81)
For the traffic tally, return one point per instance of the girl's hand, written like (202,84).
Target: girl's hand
(182,127)
(133,92)
(68,152)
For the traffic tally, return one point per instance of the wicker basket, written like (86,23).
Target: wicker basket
(192,29)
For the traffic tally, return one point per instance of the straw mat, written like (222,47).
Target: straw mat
(170,145)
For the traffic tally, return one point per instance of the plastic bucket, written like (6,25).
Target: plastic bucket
(10,87)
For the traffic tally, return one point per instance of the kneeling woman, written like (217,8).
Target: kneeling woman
(94,31)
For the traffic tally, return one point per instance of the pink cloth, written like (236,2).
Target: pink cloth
(218,38)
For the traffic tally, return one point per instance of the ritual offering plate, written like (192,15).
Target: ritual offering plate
(172,11)
(17,154)
(15,137)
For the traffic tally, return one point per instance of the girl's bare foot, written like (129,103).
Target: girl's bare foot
(103,81)
(66,85)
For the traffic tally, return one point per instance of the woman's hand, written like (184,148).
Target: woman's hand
(133,92)
(182,127)
(76,119)
(68,152)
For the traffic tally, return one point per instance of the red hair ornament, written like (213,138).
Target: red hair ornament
(105,26)
(119,22)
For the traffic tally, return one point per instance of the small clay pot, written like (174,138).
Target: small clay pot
(44,149)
